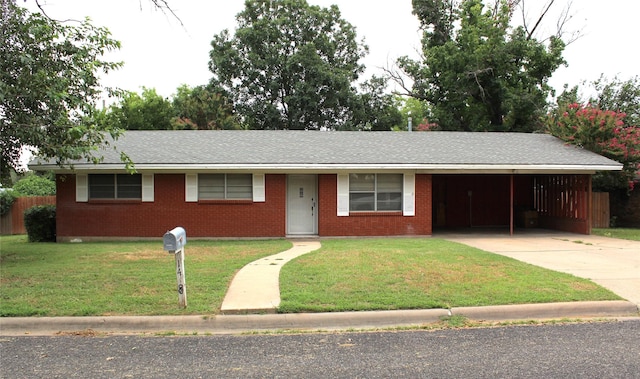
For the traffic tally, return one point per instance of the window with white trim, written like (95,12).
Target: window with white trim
(375,192)
(225,187)
(115,186)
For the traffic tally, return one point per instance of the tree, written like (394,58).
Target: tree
(49,83)
(619,95)
(484,75)
(147,111)
(373,108)
(202,108)
(289,65)
(604,132)
(35,185)
(7,198)
(605,122)
(418,111)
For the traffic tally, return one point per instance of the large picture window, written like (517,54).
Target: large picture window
(375,192)
(115,186)
(225,187)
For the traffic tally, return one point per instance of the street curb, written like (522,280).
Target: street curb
(549,310)
(234,324)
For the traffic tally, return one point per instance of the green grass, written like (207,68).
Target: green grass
(138,278)
(622,233)
(118,278)
(380,274)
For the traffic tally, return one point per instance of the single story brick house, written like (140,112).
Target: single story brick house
(233,184)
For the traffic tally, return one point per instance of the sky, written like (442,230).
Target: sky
(158,52)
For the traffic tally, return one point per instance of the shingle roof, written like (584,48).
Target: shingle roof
(309,149)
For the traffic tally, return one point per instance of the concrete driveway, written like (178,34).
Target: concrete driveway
(610,262)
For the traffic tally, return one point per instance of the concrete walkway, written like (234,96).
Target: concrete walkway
(610,262)
(256,287)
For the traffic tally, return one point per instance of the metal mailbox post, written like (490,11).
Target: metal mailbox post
(174,241)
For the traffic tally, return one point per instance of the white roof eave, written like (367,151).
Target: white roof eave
(340,167)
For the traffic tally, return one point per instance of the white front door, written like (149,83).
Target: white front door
(302,204)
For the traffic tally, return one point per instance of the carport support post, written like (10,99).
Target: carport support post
(511,208)
(182,286)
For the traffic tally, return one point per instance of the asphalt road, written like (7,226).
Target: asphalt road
(589,350)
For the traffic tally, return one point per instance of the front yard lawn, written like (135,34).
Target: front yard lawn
(138,278)
(368,274)
(118,278)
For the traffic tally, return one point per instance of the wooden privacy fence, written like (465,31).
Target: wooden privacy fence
(600,213)
(13,222)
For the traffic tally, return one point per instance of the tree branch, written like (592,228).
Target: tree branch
(164,5)
(47,16)
(398,78)
(565,17)
(540,18)
(475,74)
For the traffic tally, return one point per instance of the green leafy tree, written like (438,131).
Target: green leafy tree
(373,108)
(604,132)
(7,198)
(613,94)
(35,185)
(146,111)
(289,65)
(619,95)
(484,75)
(49,83)
(568,96)
(419,112)
(202,108)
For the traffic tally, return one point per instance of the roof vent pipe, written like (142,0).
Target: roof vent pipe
(409,121)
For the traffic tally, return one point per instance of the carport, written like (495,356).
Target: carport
(550,201)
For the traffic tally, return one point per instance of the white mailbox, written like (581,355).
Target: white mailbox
(175,239)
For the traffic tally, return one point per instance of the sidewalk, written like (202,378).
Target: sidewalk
(256,287)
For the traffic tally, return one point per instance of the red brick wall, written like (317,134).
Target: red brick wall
(372,223)
(153,219)
(227,219)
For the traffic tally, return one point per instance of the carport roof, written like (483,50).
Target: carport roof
(306,151)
